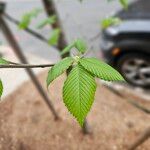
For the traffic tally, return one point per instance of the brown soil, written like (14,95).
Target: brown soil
(26,123)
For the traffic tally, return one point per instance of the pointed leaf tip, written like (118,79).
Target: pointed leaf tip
(67,49)
(80,45)
(101,69)
(78,93)
(3,61)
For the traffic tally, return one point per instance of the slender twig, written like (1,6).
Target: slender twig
(132,102)
(86,53)
(30,31)
(26,66)
(95,37)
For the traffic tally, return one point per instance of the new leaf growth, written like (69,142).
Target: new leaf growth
(80,86)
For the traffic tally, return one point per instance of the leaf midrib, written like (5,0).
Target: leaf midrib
(79,90)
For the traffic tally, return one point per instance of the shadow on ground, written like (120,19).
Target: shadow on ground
(27,124)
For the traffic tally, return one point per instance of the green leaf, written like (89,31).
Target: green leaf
(1,88)
(3,61)
(25,21)
(124,3)
(54,37)
(110,21)
(49,20)
(101,69)
(27,18)
(80,45)
(58,69)
(67,49)
(78,93)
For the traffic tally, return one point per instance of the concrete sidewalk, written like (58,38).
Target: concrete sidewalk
(13,78)
(78,19)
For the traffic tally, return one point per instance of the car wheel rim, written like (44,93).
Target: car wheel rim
(137,71)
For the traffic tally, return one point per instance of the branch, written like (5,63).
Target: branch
(140,140)
(132,102)
(26,66)
(95,37)
(30,31)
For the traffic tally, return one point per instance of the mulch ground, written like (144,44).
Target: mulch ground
(26,123)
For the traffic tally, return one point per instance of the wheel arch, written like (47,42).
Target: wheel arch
(126,51)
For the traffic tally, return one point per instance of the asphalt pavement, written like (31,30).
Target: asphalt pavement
(80,20)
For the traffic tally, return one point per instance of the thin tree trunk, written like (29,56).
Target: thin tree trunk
(51,10)
(10,38)
(62,43)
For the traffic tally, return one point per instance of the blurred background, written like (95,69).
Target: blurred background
(121,110)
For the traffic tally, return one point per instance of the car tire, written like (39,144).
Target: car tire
(134,68)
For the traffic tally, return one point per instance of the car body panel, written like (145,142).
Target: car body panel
(127,38)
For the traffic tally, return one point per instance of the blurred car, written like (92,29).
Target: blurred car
(127,48)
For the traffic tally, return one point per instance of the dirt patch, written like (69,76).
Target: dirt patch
(27,124)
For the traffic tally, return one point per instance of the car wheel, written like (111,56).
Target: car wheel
(135,68)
